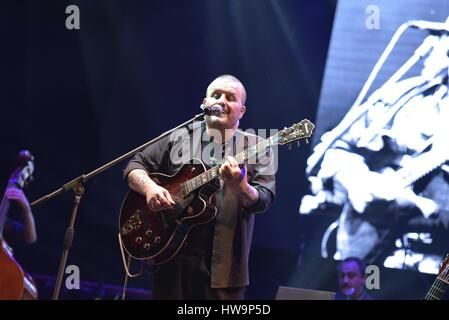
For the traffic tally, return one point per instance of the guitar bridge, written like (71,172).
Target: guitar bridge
(134,223)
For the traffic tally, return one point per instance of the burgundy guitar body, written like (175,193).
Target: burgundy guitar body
(156,237)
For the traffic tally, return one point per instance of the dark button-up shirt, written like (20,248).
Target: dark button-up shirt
(233,225)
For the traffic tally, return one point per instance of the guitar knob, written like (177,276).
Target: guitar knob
(157,240)
(147,246)
(138,240)
(148,232)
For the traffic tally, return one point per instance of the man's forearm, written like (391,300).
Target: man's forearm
(248,196)
(29,228)
(139,181)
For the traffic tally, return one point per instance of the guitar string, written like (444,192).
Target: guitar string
(260,146)
(243,154)
(442,281)
(176,191)
(436,291)
(433,294)
(439,284)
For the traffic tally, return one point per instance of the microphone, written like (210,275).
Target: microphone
(212,110)
(433,27)
(348,293)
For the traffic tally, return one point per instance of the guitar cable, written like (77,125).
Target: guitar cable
(127,267)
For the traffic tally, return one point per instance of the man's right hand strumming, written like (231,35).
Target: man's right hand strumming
(157,197)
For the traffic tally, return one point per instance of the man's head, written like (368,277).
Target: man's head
(228,92)
(351,277)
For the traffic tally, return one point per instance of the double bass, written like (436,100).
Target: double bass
(15,283)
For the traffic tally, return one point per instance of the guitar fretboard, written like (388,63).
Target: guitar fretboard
(204,178)
(438,289)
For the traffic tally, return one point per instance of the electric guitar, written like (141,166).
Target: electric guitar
(441,283)
(15,284)
(156,237)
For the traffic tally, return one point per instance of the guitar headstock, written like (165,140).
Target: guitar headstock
(23,174)
(301,130)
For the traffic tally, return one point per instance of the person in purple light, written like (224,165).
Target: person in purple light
(24,231)
(351,280)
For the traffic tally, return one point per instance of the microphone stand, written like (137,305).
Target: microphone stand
(77,186)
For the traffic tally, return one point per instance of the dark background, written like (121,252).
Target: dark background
(80,98)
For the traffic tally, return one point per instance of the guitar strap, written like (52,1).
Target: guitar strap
(127,265)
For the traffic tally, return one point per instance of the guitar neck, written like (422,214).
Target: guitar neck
(301,130)
(437,290)
(213,173)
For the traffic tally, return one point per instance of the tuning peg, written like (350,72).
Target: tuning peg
(289,146)
(307,141)
(298,144)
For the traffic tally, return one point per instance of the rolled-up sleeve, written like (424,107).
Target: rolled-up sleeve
(262,178)
(154,158)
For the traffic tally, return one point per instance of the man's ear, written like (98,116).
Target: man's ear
(242,111)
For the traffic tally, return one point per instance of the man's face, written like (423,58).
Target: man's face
(229,95)
(350,280)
